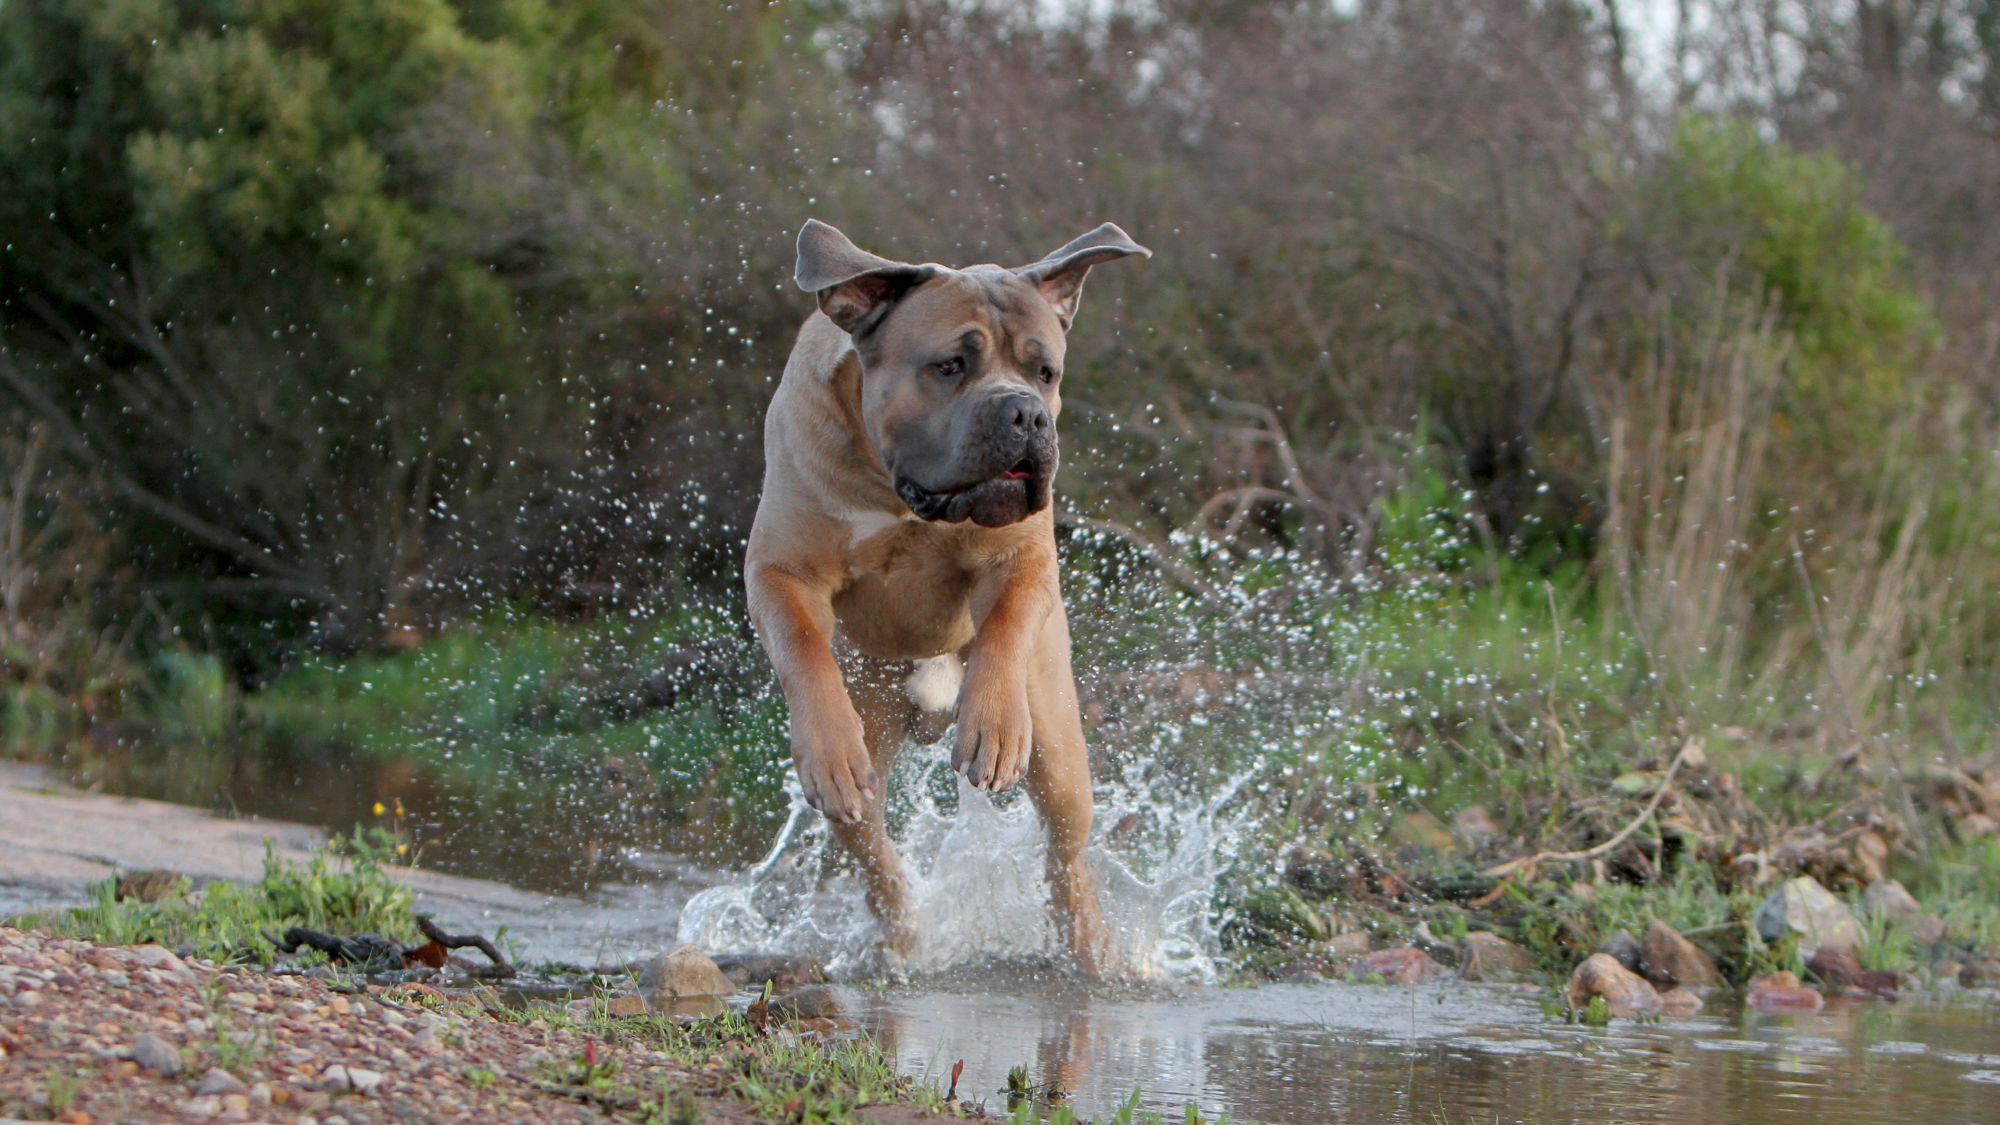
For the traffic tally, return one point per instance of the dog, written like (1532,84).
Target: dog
(910,451)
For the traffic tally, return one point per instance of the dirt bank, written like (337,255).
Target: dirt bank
(54,841)
(93,1033)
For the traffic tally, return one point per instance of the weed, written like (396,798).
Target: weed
(62,1087)
(344,888)
(481,1078)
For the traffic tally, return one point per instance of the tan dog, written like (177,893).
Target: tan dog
(909,453)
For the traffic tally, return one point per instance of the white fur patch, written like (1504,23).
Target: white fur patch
(933,682)
(865,525)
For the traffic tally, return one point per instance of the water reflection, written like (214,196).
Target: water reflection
(1337,1052)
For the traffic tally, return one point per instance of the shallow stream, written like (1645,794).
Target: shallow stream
(1311,1052)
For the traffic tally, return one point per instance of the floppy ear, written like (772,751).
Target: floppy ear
(853,285)
(1060,275)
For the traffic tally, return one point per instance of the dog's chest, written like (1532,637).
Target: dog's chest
(907,594)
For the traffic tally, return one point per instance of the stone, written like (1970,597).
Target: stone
(1782,992)
(1625,992)
(1669,958)
(156,1054)
(754,969)
(1401,965)
(219,1081)
(1807,909)
(1679,1002)
(683,982)
(1486,956)
(1837,967)
(157,957)
(1346,947)
(1979,972)
(815,1001)
(341,1078)
(1888,899)
(626,1005)
(1625,948)
(1927,929)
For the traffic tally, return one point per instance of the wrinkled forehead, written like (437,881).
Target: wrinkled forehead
(1011,311)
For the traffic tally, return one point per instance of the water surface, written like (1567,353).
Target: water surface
(1338,1052)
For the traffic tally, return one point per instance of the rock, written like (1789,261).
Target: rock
(1804,907)
(626,1005)
(219,1081)
(341,1078)
(1485,956)
(815,1001)
(1401,965)
(1625,992)
(156,1054)
(1837,967)
(754,969)
(1625,949)
(1979,972)
(1670,958)
(1679,1002)
(1834,966)
(1888,899)
(1782,992)
(682,982)
(1328,960)
(1346,947)
(1927,929)
(158,958)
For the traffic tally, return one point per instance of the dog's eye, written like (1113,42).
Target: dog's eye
(1048,374)
(950,369)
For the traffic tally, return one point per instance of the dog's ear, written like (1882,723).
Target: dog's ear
(1060,275)
(853,285)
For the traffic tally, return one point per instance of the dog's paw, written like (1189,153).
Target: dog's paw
(834,770)
(993,736)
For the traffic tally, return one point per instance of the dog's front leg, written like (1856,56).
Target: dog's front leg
(794,619)
(1009,606)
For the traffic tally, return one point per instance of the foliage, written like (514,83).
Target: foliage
(344,889)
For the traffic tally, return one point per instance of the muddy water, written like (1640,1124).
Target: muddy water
(1335,1052)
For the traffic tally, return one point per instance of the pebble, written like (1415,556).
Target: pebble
(156,957)
(341,1077)
(1625,992)
(219,1081)
(156,1054)
(1402,965)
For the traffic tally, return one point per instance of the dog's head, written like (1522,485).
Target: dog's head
(961,368)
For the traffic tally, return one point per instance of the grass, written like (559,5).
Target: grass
(344,889)
(780,1077)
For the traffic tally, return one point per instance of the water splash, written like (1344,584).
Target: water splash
(977,891)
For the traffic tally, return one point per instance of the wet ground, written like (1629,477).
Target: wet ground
(1321,1052)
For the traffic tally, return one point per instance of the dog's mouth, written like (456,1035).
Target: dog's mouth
(1009,496)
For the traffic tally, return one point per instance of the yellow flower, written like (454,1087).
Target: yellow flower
(378,808)
(399,806)
(402,849)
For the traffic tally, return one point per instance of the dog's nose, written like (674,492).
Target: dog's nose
(1028,414)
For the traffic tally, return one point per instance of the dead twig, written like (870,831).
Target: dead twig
(1503,869)
(501,966)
